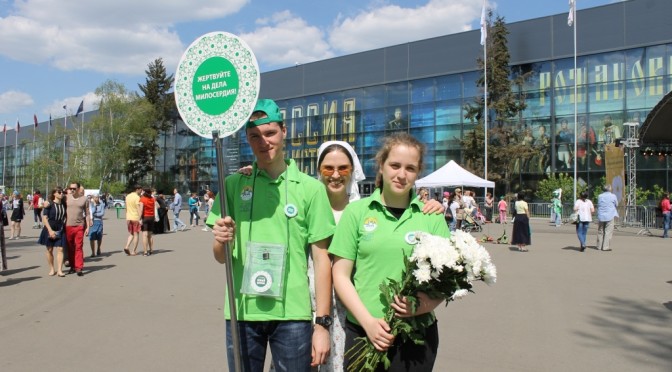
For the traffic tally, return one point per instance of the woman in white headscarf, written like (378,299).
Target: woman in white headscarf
(339,170)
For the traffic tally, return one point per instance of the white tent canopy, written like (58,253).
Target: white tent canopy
(452,174)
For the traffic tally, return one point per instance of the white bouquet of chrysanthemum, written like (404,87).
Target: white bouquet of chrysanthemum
(442,268)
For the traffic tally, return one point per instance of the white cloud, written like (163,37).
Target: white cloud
(119,36)
(122,36)
(387,25)
(285,39)
(13,101)
(55,108)
(120,13)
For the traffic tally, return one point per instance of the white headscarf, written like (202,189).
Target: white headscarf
(357,170)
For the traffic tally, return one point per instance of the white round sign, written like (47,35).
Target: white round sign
(217,84)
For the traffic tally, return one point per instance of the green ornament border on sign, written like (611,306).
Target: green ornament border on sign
(236,52)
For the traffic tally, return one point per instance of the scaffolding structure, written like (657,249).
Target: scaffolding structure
(631,143)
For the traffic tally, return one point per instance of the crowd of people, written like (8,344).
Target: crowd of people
(67,216)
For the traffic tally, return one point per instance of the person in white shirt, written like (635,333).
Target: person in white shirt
(469,202)
(584,209)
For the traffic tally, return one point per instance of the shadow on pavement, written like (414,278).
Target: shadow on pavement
(12,281)
(639,328)
(15,271)
(92,269)
(668,304)
(161,251)
(571,248)
(109,254)
(21,245)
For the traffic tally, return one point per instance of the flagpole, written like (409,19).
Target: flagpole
(65,125)
(32,168)
(484,39)
(46,185)
(4,155)
(16,148)
(576,97)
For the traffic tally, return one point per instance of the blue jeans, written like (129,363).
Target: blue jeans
(291,345)
(582,231)
(666,223)
(558,221)
(193,215)
(178,221)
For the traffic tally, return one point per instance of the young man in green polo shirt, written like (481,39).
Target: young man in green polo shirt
(275,215)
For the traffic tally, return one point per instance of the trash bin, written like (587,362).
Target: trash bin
(118,212)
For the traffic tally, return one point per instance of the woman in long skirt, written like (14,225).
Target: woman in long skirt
(163,225)
(521,224)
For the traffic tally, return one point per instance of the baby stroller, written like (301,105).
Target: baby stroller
(471,223)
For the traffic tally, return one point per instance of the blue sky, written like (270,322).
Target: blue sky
(56,53)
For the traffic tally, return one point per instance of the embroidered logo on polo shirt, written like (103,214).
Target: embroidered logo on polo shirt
(246,194)
(370,224)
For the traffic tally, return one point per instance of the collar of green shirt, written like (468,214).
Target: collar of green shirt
(292,173)
(375,199)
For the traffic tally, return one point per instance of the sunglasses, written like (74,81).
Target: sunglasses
(73,189)
(59,191)
(328,171)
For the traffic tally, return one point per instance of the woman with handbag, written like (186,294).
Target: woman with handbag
(584,210)
(53,219)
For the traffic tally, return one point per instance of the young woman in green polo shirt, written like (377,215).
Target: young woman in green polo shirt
(369,245)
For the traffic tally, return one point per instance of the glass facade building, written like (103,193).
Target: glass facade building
(624,68)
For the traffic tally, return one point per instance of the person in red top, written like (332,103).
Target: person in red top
(36,206)
(665,208)
(148,213)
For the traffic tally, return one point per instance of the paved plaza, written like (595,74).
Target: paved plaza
(552,309)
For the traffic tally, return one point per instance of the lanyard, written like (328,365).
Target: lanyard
(287,205)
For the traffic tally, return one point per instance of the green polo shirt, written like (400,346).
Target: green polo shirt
(257,205)
(375,240)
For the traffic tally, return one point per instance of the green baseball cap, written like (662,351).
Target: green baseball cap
(268,107)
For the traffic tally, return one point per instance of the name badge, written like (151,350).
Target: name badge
(410,238)
(264,270)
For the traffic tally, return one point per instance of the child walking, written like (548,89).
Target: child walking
(502,210)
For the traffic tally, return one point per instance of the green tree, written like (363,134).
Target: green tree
(556,181)
(124,123)
(509,151)
(58,158)
(156,90)
(146,149)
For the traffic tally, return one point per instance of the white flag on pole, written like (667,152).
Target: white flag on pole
(572,10)
(484,26)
